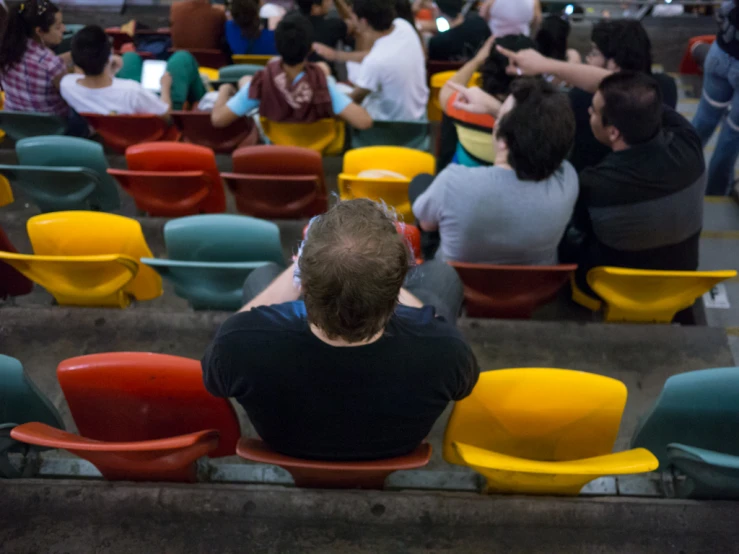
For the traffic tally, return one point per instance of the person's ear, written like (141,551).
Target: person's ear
(614,135)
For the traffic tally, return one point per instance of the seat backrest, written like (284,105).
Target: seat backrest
(20,125)
(20,399)
(12,282)
(406,161)
(197,128)
(237,71)
(223,238)
(539,414)
(121,131)
(94,233)
(278,160)
(176,156)
(697,408)
(133,396)
(253,59)
(411,134)
(54,188)
(63,151)
(325,135)
(6,193)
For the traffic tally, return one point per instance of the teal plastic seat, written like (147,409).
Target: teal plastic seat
(232,73)
(693,428)
(20,402)
(210,256)
(411,134)
(62,151)
(20,125)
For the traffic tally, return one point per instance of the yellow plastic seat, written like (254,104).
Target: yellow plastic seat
(437,81)
(393,191)
(254,59)
(209,72)
(79,280)
(6,193)
(542,431)
(83,233)
(650,296)
(580,297)
(325,136)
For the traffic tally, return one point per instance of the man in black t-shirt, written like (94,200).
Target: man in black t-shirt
(326,30)
(360,368)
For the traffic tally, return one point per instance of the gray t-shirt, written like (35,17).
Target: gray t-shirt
(488,215)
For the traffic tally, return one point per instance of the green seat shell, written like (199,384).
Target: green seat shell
(411,134)
(62,151)
(54,189)
(20,125)
(707,474)
(232,73)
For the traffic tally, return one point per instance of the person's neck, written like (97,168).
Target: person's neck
(340,342)
(501,159)
(619,146)
(373,35)
(293,71)
(96,81)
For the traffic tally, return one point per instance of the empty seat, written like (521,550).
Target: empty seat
(121,131)
(54,188)
(275,182)
(510,291)
(542,431)
(334,475)
(197,128)
(20,125)
(392,190)
(325,136)
(411,134)
(252,59)
(210,256)
(692,428)
(12,282)
(172,179)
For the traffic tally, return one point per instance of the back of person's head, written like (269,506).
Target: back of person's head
(495,80)
(625,45)
(379,14)
(551,39)
(306,6)
(91,50)
(538,130)
(632,103)
(25,21)
(351,267)
(294,38)
(450,8)
(404,10)
(245,14)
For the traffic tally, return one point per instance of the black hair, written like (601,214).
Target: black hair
(306,6)
(22,21)
(633,104)
(495,80)
(245,14)
(551,39)
(539,130)
(378,13)
(91,50)
(601,36)
(450,8)
(404,10)
(294,38)
(626,42)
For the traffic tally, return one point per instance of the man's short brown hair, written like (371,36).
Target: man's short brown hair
(351,267)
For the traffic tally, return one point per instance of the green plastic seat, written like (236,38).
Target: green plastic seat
(232,73)
(411,134)
(20,125)
(20,402)
(62,151)
(693,427)
(210,256)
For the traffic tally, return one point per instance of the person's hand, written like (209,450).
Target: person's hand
(484,52)
(473,99)
(245,80)
(116,63)
(228,89)
(457,21)
(525,62)
(326,52)
(166,81)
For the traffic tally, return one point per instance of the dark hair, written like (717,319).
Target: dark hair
(378,13)
(539,130)
(351,267)
(294,38)
(495,80)
(404,10)
(450,8)
(633,104)
(21,25)
(626,42)
(551,39)
(306,6)
(91,50)
(246,15)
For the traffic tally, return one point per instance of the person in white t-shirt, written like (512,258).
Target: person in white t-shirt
(391,80)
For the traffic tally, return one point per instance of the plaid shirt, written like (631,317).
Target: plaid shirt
(28,84)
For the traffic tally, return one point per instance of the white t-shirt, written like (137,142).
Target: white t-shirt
(511,17)
(395,73)
(123,97)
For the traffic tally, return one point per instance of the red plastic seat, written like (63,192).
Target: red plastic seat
(510,291)
(207,58)
(278,182)
(121,131)
(334,475)
(12,282)
(172,179)
(196,128)
(687,64)
(413,236)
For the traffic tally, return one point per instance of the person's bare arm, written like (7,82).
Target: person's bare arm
(222,116)
(356,116)
(536,21)
(485,8)
(475,100)
(334,55)
(407,299)
(428,226)
(283,289)
(344,11)
(359,94)
(530,62)
(166,91)
(465,73)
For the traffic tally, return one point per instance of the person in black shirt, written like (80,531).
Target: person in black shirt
(360,368)
(463,39)
(617,45)
(326,30)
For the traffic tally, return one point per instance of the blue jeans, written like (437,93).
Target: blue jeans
(720,92)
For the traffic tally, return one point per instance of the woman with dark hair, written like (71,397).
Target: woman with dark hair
(247,32)
(551,40)
(30,72)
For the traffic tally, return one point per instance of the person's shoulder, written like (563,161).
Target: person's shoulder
(423,323)
(70,79)
(276,318)
(568,172)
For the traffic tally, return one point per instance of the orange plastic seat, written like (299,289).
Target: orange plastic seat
(196,128)
(172,179)
(334,475)
(12,282)
(121,131)
(413,236)
(687,64)
(207,57)
(278,182)
(510,291)
(170,459)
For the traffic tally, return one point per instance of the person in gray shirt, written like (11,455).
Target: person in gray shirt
(514,212)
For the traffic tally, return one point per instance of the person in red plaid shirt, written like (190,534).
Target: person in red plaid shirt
(30,72)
